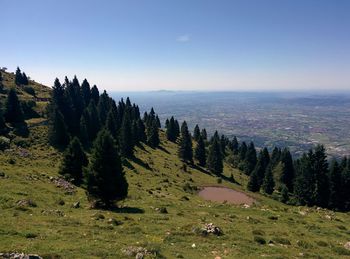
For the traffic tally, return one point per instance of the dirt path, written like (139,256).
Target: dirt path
(221,194)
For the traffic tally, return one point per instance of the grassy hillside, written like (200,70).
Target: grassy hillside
(42,92)
(39,217)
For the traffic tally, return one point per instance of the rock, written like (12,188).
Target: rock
(163,210)
(16,255)
(65,185)
(2,175)
(76,205)
(246,206)
(193,245)
(139,256)
(26,203)
(114,222)
(136,251)
(347,245)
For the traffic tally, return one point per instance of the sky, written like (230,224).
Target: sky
(141,45)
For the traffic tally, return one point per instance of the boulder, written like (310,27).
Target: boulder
(347,245)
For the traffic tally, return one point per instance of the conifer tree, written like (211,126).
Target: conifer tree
(304,180)
(141,131)
(320,167)
(215,160)
(171,130)
(3,127)
(335,186)
(84,134)
(167,123)
(204,134)
(242,151)
(103,107)
(250,159)
(159,125)
(25,80)
(177,129)
(153,135)
(125,136)
(185,144)
(13,109)
(253,183)
(86,92)
(111,124)
(18,77)
(74,160)
(268,184)
(58,132)
(95,94)
(287,176)
(234,145)
(199,152)
(345,190)
(260,169)
(93,121)
(105,178)
(275,156)
(196,133)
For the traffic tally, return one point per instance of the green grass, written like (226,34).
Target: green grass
(156,180)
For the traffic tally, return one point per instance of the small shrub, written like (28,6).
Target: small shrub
(260,240)
(341,251)
(219,180)
(31,235)
(303,244)
(321,243)
(4,143)
(273,217)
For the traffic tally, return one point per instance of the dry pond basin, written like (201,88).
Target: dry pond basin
(224,194)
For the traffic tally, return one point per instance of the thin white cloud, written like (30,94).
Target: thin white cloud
(183,38)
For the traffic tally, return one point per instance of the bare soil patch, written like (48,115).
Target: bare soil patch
(224,194)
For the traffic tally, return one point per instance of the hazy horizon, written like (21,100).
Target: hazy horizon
(184,45)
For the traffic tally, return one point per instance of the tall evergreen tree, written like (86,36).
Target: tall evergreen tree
(18,77)
(253,183)
(287,177)
(84,133)
(58,132)
(103,107)
(199,152)
(177,129)
(95,94)
(153,135)
(242,151)
(204,134)
(111,124)
(250,159)
(86,92)
(260,168)
(25,80)
(268,184)
(94,124)
(215,160)
(335,186)
(196,133)
(171,133)
(185,144)
(105,178)
(3,127)
(234,145)
(141,131)
(167,123)
(74,160)
(304,181)
(345,190)
(320,167)
(13,109)
(125,136)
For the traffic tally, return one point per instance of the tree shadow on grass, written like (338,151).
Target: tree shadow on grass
(128,164)
(163,149)
(141,163)
(130,210)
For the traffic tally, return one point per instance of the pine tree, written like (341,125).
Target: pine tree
(284,194)
(171,130)
(242,151)
(253,183)
(84,134)
(268,184)
(111,124)
(215,160)
(13,109)
(204,134)
(141,131)
(86,92)
(58,132)
(345,190)
(304,181)
(275,157)
(199,152)
(159,125)
(105,178)
(260,169)
(153,135)
(320,167)
(74,159)
(18,77)
(185,144)
(287,177)
(1,84)
(234,145)
(335,186)
(3,127)
(125,136)
(196,133)
(95,94)
(103,107)
(177,129)
(250,159)
(167,123)
(93,121)
(25,80)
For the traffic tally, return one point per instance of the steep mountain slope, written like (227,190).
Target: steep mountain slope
(39,217)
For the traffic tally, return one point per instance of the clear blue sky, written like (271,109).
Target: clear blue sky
(181,44)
